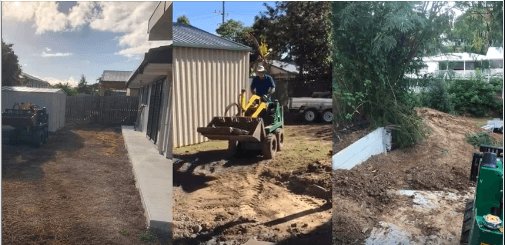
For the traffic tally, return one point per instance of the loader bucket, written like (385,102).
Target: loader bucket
(234,128)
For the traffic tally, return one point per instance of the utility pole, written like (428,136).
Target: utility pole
(223,13)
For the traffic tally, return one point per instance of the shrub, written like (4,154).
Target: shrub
(437,97)
(481,138)
(474,95)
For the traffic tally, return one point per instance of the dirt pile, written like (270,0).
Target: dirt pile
(363,196)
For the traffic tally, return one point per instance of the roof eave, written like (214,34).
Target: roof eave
(192,45)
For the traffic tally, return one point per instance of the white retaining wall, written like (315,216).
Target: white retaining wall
(376,142)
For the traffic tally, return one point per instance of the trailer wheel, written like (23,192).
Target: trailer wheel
(38,138)
(467,222)
(327,116)
(310,115)
(270,146)
(279,135)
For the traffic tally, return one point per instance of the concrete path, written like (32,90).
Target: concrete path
(153,175)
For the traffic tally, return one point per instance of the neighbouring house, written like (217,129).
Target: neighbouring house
(185,84)
(464,64)
(116,80)
(33,82)
(53,99)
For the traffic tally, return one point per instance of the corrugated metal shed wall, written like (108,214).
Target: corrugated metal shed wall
(205,81)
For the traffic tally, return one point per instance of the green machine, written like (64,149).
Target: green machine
(483,218)
(257,125)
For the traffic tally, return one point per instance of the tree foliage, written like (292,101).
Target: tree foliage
(299,32)
(67,88)
(476,95)
(10,66)
(183,19)
(376,44)
(479,27)
(235,31)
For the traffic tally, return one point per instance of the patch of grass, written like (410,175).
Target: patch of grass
(299,152)
(481,124)
(481,138)
(124,232)
(183,202)
(206,146)
(146,237)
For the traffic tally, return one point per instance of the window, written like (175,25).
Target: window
(456,65)
(470,65)
(496,64)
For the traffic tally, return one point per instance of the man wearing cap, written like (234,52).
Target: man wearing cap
(262,84)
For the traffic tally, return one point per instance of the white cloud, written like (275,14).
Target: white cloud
(44,54)
(129,19)
(141,49)
(53,81)
(48,49)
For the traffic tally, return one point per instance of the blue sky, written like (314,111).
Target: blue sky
(59,41)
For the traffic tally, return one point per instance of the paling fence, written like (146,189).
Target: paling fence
(102,109)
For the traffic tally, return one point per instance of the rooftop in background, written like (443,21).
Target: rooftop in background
(32,90)
(116,76)
(493,53)
(289,67)
(190,36)
(32,77)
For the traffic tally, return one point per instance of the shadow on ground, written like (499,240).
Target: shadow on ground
(208,163)
(22,161)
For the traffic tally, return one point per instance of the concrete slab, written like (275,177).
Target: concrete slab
(153,176)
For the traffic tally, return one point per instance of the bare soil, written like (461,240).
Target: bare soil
(224,199)
(78,188)
(365,195)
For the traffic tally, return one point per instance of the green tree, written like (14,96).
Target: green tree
(83,87)
(300,32)
(10,66)
(183,19)
(67,88)
(479,27)
(235,31)
(376,44)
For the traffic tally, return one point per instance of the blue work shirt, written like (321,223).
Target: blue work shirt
(262,86)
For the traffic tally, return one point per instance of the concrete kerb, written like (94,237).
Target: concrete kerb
(153,178)
(376,142)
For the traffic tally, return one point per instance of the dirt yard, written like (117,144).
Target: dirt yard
(78,188)
(413,195)
(224,199)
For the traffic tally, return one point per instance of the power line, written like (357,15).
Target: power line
(223,13)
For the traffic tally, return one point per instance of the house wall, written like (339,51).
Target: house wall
(205,81)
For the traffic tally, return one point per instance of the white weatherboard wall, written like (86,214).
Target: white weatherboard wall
(376,142)
(53,99)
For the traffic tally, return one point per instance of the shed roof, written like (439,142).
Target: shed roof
(31,90)
(115,76)
(190,36)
